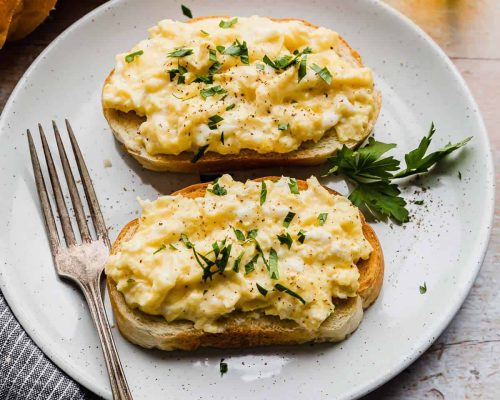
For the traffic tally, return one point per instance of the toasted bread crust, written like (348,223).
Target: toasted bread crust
(125,125)
(244,329)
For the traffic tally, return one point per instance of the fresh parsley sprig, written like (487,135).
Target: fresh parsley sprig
(373,173)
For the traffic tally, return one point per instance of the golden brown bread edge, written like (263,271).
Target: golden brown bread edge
(125,125)
(241,329)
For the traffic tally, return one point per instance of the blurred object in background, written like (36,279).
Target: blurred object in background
(463,28)
(18,18)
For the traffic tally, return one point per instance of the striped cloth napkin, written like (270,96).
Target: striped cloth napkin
(25,372)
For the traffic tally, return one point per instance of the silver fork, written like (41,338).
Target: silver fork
(83,262)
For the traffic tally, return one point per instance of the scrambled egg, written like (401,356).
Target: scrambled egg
(162,269)
(181,78)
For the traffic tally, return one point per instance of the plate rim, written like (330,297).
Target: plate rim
(367,386)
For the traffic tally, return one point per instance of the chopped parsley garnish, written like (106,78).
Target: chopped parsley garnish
(214,68)
(285,239)
(288,219)
(286,61)
(204,79)
(162,247)
(373,174)
(222,137)
(130,281)
(230,106)
(213,121)
(302,67)
(292,184)
(132,56)
(250,266)
(237,262)
(419,202)
(179,70)
(322,218)
(172,246)
(263,291)
(181,52)
(273,264)
(186,11)
(217,189)
(323,73)
(221,251)
(237,49)
(222,367)
(220,48)
(212,91)
(260,67)
(423,288)
(252,234)
(186,241)
(199,153)
(459,175)
(228,24)
(282,288)
(283,127)
(204,32)
(212,55)
(263,192)
(239,235)
(301,236)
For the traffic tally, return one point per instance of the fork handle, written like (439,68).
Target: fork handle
(119,386)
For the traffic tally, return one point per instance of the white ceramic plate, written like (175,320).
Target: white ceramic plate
(443,245)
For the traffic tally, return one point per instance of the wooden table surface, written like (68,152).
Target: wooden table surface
(464,363)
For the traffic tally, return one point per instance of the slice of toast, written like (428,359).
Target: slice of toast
(126,125)
(247,329)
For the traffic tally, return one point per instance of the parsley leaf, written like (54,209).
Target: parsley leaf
(283,127)
(288,219)
(132,56)
(263,192)
(301,236)
(252,234)
(213,121)
(237,262)
(416,160)
(302,67)
(239,235)
(423,288)
(380,198)
(282,288)
(323,73)
(186,11)
(199,153)
(212,91)
(230,106)
(228,24)
(250,266)
(162,247)
(372,173)
(218,190)
(186,241)
(285,239)
(292,184)
(237,49)
(222,367)
(204,79)
(322,218)
(180,52)
(273,264)
(263,291)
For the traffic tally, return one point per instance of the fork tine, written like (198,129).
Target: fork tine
(69,236)
(73,191)
(50,223)
(95,210)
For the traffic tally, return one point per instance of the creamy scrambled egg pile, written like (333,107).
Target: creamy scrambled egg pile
(248,246)
(244,83)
